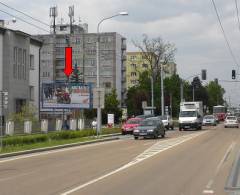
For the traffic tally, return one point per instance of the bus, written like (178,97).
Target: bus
(220,112)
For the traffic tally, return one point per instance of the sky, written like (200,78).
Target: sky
(189,24)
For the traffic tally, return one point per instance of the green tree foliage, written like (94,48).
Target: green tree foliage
(111,107)
(28,111)
(200,91)
(215,94)
(76,75)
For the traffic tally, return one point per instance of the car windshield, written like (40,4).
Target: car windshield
(231,118)
(188,114)
(133,121)
(149,123)
(163,117)
(209,117)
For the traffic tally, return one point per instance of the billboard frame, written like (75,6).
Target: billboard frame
(89,85)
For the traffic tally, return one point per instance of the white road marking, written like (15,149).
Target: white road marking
(208,192)
(230,148)
(25,156)
(220,164)
(160,146)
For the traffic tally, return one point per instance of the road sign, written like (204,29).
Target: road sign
(98,97)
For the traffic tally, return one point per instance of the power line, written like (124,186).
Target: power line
(224,34)
(24,21)
(24,14)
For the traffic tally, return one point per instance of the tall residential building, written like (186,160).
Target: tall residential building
(136,64)
(19,69)
(112,58)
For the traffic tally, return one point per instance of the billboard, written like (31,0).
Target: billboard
(66,95)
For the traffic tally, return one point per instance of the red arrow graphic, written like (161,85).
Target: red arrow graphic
(68,61)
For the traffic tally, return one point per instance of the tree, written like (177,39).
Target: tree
(156,52)
(76,75)
(135,96)
(200,92)
(215,94)
(111,106)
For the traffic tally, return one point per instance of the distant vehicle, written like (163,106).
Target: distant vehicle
(191,115)
(150,127)
(130,124)
(209,120)
(237,114)
(231,121)
(220,112)
(145,116)
(167,121)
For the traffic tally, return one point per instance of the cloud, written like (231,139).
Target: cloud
(191,25)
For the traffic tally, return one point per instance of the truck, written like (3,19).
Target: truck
(191,115)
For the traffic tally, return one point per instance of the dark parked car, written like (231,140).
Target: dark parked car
(145,116)
(150,127)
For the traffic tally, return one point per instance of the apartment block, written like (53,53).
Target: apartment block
(112,58)
(136,64)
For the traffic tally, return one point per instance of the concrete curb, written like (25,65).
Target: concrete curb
(57,147)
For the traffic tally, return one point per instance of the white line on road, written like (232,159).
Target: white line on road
(220,164)
(145,155)
(208,192)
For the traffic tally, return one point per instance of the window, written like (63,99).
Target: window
(15,63)
(133,74)
(19,63)
(24,65)
(132,57)
(108,85)
(63,28)
(145,65)
(134,65)
(31,93)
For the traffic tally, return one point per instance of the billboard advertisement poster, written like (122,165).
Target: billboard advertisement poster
(66,95)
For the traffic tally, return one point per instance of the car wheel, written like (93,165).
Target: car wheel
(172,127)
(180,129)
(135,138)
(123,133)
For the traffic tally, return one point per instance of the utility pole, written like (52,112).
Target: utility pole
(193,93)
(152,94)
(162,92)
(181,90)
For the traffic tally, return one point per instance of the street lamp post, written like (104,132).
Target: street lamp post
(162,90)
(181,86)
(98,68)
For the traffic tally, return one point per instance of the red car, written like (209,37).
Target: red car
(130,124)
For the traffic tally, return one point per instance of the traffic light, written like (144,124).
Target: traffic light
(204,74)
(233,74)
(216,80)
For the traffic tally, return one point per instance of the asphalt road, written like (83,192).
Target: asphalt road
(183,163)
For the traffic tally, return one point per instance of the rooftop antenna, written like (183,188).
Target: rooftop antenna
(53,14)
(71,16)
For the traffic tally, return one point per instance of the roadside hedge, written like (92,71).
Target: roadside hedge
(62,135)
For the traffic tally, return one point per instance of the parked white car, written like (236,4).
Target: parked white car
(167,121)
(231,121)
